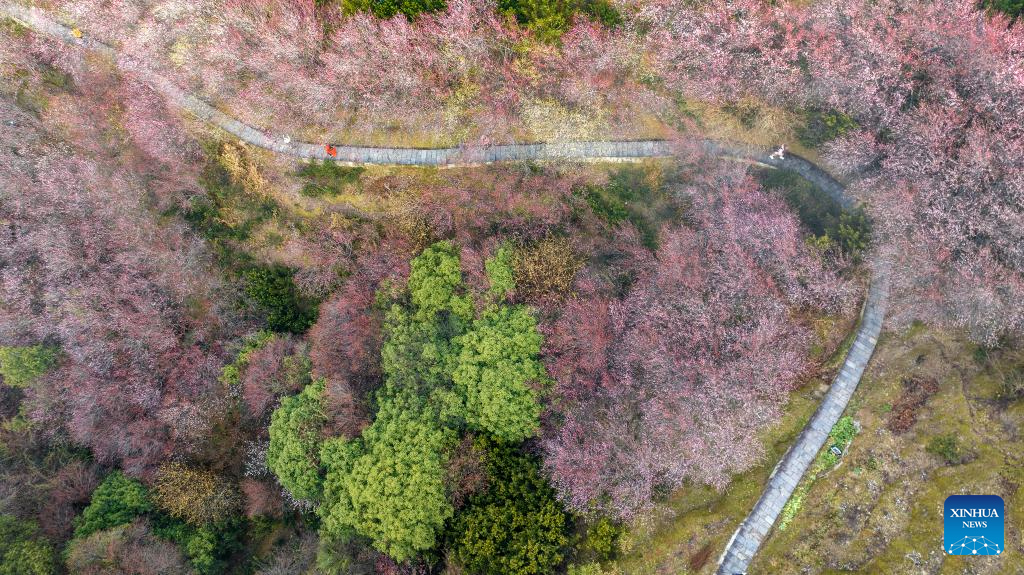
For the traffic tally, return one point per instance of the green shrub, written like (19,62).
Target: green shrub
(20,365)
(499,272)
(231,374)
(274,290)
(822,127)
(207,547)
(606,206)
(516,526)
(1012,381)
(793,505)
(117,501)
(853,233)
(601,11)
(592,568)
(22,550)
(947,447)
(603,539)
(844,431)
(549,19)
(294,451)
(389,8)
(1012,8)
(627,197)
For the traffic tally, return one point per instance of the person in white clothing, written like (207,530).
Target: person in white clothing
(779,154)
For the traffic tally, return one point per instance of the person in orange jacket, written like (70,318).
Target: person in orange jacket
(331,150)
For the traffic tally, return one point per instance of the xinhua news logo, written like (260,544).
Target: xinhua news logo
(974,525)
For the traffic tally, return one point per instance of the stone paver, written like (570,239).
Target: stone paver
(787,474)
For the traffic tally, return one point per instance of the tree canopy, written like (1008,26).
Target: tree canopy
(20,365)
(516,526)
(389,484)
(117,501)
(497,363)
(293,454)
(22,550)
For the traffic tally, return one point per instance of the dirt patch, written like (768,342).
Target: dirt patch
(916,391)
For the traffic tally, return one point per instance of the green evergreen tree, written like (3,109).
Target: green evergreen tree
(498,362)
(515,527)
(293,454)
(22,550)
(118,500)
(20,365)
(389,484)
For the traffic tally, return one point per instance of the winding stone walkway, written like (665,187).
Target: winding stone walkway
(448,157)
(787,474)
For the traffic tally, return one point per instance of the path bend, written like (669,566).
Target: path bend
(783,481)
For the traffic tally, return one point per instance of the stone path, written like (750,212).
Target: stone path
(449,157)
(787,474)
(784,479)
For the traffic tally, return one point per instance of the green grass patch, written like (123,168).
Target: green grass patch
(881,512)
(328,179)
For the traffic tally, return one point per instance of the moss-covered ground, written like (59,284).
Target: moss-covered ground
(880,510)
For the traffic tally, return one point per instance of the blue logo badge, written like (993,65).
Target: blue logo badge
(974,525)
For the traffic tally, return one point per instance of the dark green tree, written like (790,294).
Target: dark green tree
(22,550)
(273,288)
(515,527)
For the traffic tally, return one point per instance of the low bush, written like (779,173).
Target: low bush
(196,496)
(273,289)
(947,447)
(385,9)
(1012,8)
(916,392)
(545,269)
(823,127)
(603,539)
